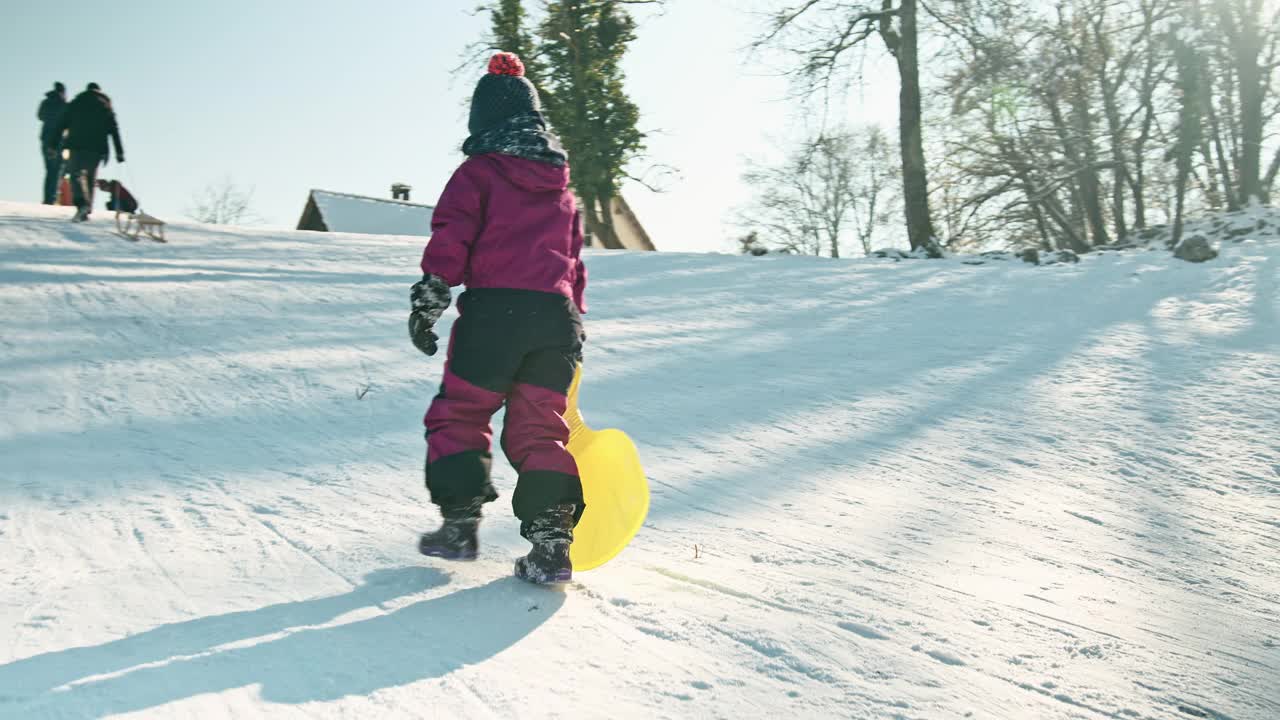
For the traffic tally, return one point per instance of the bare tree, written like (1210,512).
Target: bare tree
(1242,24)
(1190,76)
(872,193)
(223,203)
(822,34)
(806,204)
(778,211)
(1269,182)
(1073,102)
(1067,124)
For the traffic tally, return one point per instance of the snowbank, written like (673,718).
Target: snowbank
(881,489)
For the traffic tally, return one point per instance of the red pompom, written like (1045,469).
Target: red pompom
(505,63)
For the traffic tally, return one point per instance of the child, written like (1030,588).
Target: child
(120,199)
(508,227)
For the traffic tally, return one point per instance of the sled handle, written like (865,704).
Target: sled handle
(572,415)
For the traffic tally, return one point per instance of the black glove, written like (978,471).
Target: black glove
(423,337)
(119,158)
(429,298)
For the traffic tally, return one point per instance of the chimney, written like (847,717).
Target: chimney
(400,191)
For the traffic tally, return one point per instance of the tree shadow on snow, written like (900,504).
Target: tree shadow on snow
(766,385)
(422,640)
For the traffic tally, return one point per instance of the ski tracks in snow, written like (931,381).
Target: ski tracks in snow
(917,490)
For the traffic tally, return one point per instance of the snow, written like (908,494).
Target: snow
(917,489)
(374,216)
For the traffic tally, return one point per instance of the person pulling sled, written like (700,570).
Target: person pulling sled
(88,121)
(508,228)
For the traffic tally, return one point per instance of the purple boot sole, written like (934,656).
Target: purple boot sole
(542,576)
(444,552)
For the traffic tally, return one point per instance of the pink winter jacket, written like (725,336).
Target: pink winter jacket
(508,222)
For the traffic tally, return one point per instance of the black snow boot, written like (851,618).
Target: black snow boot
(457,538)
(551,533)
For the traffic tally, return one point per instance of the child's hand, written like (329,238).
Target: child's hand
(423,337)
(429,298)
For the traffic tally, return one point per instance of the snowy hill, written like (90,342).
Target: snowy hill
(917,489)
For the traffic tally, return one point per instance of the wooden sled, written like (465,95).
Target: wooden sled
(132,225)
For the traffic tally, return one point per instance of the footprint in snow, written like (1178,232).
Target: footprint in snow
(945,658)
(940,656)
(1086,518)
(863,630)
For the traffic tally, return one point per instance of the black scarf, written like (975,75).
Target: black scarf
(524,136)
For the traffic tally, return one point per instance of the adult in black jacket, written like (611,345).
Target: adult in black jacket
(50,115)
(89,120)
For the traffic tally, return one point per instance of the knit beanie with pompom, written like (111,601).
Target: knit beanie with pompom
(502,93)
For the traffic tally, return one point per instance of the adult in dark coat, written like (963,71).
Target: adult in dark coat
(89,121)
(50,115)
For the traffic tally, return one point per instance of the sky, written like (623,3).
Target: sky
(287,96)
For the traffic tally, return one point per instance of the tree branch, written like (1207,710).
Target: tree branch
(663,168)
(782,21)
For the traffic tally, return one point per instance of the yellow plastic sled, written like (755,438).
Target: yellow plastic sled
(614,488)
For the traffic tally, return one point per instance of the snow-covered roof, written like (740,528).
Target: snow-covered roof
(343,212)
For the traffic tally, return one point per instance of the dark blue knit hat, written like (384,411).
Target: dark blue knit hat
(502,93)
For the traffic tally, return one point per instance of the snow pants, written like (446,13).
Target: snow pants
(84,173)
(52,173)
(517,347)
